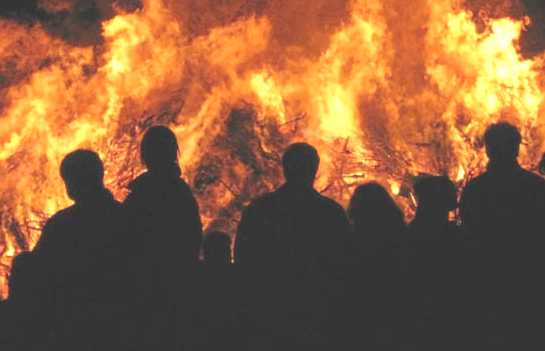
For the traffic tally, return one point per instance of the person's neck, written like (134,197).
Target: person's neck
(170,170)
(503,165)
(93,197)
(300,186)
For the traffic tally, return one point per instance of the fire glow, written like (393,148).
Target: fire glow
(382,94)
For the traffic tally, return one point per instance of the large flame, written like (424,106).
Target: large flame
(386,92)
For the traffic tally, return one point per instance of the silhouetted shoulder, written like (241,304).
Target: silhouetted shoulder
(60,217)
(475,182)
(262,202)
(253,214)
(148,184)
(279,198)
(331,205)
(471,188)
(488,179)
(533,178)
(184,188)
(260,205)
(52,230)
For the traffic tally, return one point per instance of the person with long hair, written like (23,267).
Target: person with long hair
(378,229)
(165,230)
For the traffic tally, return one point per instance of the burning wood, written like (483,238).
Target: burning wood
(383,95)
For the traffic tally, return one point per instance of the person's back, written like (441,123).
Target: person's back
(25,318)
(215,324)
(434,244)
(502,203)
(163,213)
(78,253)
(289,229)
(165,231)
(291,243)
(164,220)
(378,230)
(432,235)
(78,241)
(503,210)
(377,222)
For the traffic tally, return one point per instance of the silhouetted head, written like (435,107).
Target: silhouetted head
(372,208)
(217,248)
(502,143)
(83,174)
(300,162)
(436,195)
(159,149)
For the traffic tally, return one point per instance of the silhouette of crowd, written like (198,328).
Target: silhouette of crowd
(302,273)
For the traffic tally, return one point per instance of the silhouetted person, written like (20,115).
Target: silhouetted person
(23,321)
(21,278)
(78,255)
(504,210)
(290,248)
(434,254)
(379,232)
(215,323)
(166,230)
(506,199)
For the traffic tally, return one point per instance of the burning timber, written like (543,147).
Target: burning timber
(383,94)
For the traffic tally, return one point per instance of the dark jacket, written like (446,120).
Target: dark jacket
(504,203)
(296,228)
(79,245)
(290,248)
(80,258)
(164,236)
(164,221)
(504,212)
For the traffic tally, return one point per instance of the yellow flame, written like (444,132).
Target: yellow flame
(386,97)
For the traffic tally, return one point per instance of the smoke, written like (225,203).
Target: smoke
(533,41)
(24,10)
(296,24)
(78,22)
(302,25)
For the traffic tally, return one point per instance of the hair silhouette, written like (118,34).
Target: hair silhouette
(373,209)
(217,248)
(166,234)
(436,194)
(300,163)
(83,174)
(502,142)
(159,149)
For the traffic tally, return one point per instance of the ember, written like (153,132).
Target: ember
(384,95)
